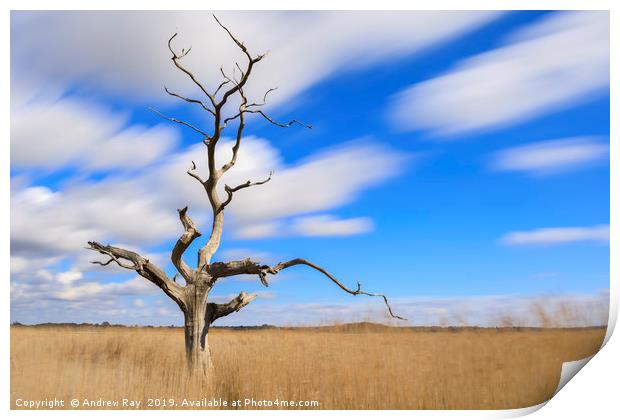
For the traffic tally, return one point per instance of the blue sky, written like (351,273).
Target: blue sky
(453,156)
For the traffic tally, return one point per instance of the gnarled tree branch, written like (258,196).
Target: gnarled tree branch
(218,310)
(247,266)
(188,236)
(134,261)
(297,261)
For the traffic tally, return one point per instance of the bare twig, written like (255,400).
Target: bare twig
(194,175)
(175,60)
(174,120)
(225,82)
(190,100)
(264,98)
(272,121)
(230,191)
(239,43)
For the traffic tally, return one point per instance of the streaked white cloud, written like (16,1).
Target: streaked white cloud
(136,63)
(63,221)
(549,65)
(138,303)
(328,225)
(22,266)
(68,277)
(81,291)
(318,225)
(140,211)
(558,235)
(51,135)
(231,254)
(322,181)
(133,148)
(52,287)
(74,132)
(551,156)
(256,230)
(296,189)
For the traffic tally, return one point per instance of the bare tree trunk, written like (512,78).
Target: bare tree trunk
(196,332)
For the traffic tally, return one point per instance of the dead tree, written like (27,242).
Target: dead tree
(192,297)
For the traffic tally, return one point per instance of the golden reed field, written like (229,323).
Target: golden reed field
(361,366)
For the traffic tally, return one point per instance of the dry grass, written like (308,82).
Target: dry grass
(342,369)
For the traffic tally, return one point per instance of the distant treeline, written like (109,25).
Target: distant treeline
(348,327)
(106,324)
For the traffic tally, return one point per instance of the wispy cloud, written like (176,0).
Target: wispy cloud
(318,225)
(98,210)
(300,188)
(549,65)
(126,60)
(138,303)
(557,235)
(328,225)
(68,277)
(81,134)
(242,253)
(551,156)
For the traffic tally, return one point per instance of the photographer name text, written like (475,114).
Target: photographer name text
(160,403)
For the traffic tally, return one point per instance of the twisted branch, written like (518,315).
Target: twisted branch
(297,261)
(188,236)
(218,310)
(247,266)
(143,267)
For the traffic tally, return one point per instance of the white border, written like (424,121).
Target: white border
(593,394)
